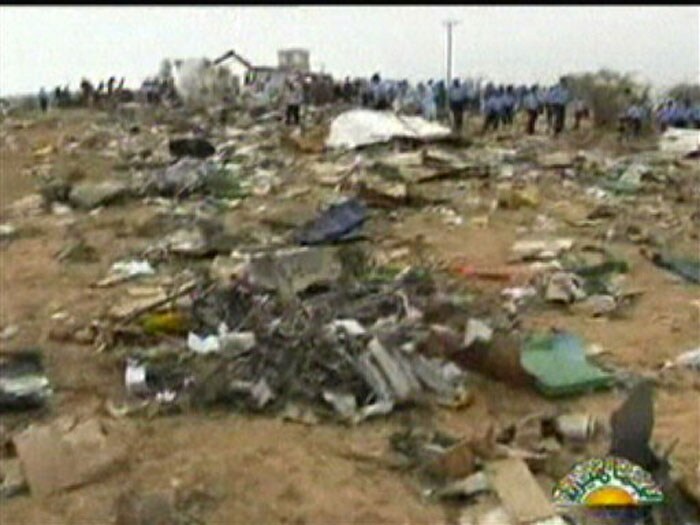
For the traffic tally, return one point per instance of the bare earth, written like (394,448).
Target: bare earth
(261,470)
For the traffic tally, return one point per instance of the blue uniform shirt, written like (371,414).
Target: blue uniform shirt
(559,95)
(456,94)
(530,102)
(508,101)
(492,104)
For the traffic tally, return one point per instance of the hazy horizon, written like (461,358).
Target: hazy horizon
(49,46)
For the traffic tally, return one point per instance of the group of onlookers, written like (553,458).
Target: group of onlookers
(434,100)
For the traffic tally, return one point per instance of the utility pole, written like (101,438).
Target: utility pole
(449,24)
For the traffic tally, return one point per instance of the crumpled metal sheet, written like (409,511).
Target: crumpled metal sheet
(361,127)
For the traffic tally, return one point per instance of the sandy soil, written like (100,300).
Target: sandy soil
(259,470)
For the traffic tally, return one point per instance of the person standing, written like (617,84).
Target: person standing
(57,96)
(347,91)
(43,100)
(427,102)
(633,120)
(294,98)
(110,86)
(507,106)
(531,104)
(377,99)
(520,93)
(477,97)
(559,98)
(581,112)
(663,116)
(366,94)
(492,111)
(440,99)
(549,107)
(457,103)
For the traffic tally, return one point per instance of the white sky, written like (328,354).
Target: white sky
(59,44)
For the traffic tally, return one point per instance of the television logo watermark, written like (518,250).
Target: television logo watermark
(612,486)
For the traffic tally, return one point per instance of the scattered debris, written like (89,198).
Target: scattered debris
(455,462)
(188,175)
(8,332)
(88,195)
(23,383)
(576,427)
(632,425)
(689,359)
(564,287)
(12,482)
(514,199)
(295,269)
(466,487)
(541,250)
(254,311)
(191,147)
(598,305)
(339,222)
(135,378)
(125,270)
(688,269)
(477,331)
(556,161)
(519,492)
(203,345)
(7,231)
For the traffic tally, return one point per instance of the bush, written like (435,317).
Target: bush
(608,93)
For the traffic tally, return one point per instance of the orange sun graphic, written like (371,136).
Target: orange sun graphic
(610,496)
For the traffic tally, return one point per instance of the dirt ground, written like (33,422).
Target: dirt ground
(261,470)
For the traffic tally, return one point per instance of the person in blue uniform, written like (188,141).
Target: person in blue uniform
(458,101)
(531,105)
(492,111)
(559,98)
(508,106)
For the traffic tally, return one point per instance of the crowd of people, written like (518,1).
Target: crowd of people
(497,105)
(60,97)
(678,114)
(156,90)
(88,95)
